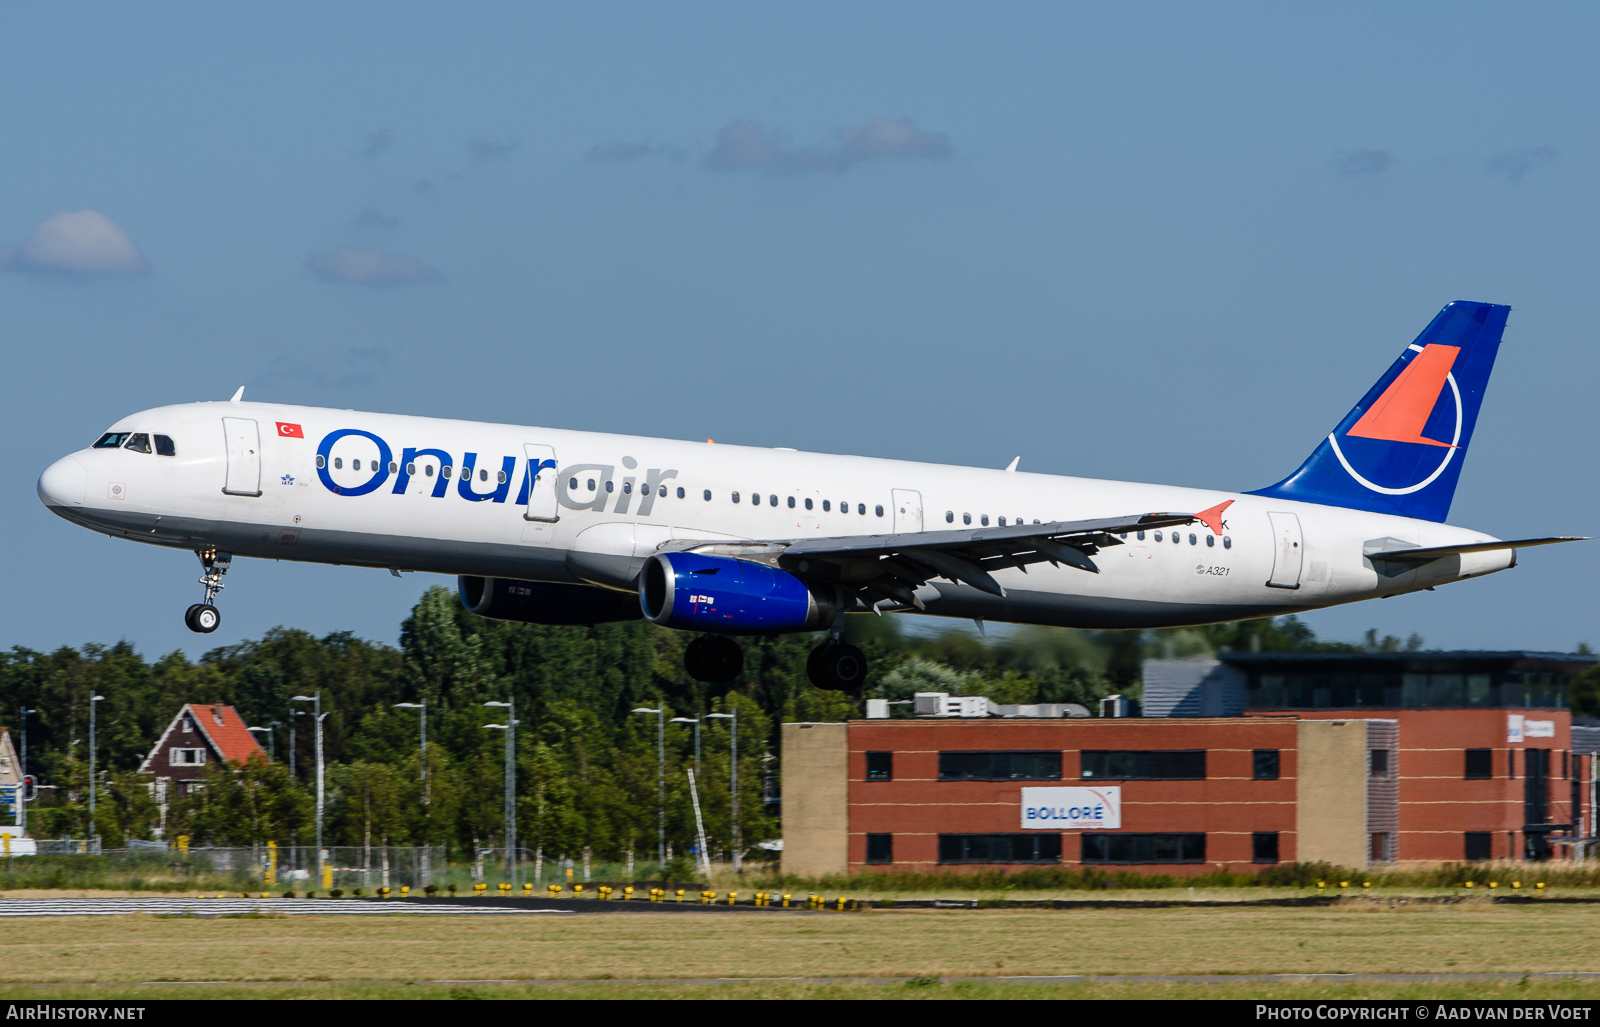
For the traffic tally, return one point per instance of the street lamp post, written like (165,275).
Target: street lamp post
(510,728)
(423,707)
(92,700)
(272,749)
(696,722)
(733,779)
(22,787)
(661,786)
(317,715)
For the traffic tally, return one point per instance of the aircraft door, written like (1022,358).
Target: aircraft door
(907,510)
(244,456)
(1287,551)
(541,464)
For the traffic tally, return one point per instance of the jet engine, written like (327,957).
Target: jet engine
(544,602)
(725,596)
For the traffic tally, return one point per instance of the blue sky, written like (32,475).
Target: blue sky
(1163,242)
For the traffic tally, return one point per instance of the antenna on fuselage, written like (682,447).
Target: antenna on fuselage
(237,396)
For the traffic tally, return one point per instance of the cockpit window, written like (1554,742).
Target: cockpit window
(139,442)
(164,446)
(112,440)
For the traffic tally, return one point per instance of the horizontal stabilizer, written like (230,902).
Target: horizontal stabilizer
(1415,557)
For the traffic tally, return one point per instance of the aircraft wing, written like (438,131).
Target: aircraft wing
(877,568)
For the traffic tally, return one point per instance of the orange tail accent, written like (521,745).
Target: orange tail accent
(1212,518)
(1401,412)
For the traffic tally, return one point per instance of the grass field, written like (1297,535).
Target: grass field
(354,956)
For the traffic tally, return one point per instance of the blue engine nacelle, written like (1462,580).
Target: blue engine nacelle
(731,597)
(544,602)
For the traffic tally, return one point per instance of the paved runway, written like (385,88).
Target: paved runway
(191,906)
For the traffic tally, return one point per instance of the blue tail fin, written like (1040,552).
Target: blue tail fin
(1401,449)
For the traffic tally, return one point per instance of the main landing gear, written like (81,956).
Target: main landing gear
(837,666)
(204,618)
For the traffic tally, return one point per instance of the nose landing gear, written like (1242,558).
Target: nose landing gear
(204,618)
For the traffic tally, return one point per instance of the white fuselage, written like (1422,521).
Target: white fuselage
(601,530)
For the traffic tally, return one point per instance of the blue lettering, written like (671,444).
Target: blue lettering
(407,457)
(380,473)
(508,467)
(527,479)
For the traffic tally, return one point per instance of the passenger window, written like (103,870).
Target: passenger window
(338,463)
(736,497)
(949,516)
(680,492)
(1227,543)
(139,442)
(444,472)
(500,477)
(1140,536)
(1193,540)
(609,486)
(591,480)
(1176,538)
(861,508)
(427,470)
(111,440)
(984,520)
(772,500)
(627,488)
(808,504)
(708,495)
(1002,522)
(1157,536)
(1125,535)
(164,446)
(393,467)
(966,518)
(791,502)
(322,462)
(663,493)
(1211,540)
(826,506)
(571,484)
(878,510)
(355,465)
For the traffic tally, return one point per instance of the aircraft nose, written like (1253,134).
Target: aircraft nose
(63,483)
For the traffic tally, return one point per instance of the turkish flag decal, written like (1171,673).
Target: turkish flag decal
(290,431)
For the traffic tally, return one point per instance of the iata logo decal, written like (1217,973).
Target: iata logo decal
(1415,411)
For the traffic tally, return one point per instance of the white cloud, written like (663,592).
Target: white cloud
(1514,164)
(82,243)
(369,267)
(746,145)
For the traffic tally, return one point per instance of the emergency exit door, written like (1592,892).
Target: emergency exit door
(244,456)
(1288,554)
(907,510)
(541,481)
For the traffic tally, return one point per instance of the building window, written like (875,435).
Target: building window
(880,848)
(1378,847)
(187,757)
(1480,764)
(880,767)
(1477,845)
(999,848)
(1180,765)
(1265,765)
(1377,762)
(1511,763)
(188,725)
(1264,847)
(999,766)
(1143,848)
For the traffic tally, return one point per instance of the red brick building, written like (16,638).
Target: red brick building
(1184,794)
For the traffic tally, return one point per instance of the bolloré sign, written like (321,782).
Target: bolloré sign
(1073,809)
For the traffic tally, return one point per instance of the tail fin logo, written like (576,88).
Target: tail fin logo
(1403,413)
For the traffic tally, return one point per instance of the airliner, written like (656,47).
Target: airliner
(547,526)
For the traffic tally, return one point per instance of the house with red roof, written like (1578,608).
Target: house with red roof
(200,735)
